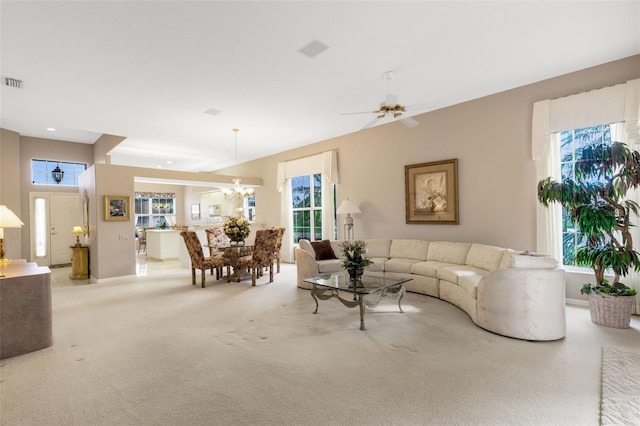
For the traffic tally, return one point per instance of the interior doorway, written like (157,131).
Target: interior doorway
(53,215)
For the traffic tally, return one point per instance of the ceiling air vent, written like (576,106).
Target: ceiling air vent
(313,49)
(12,82)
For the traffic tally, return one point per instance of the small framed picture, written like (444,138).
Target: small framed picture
(195,211)
(117,207)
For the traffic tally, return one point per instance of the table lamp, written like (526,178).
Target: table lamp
(77,231)
(8,219)
(348,207)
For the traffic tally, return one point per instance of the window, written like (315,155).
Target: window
(41,172)
(155,210)
(306,197)
(571,144)
(250,208)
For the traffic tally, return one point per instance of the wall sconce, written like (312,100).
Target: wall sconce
(348,207)
(57,174)
(8,219)
(77,231)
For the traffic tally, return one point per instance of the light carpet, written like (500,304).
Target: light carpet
(620,387)
(156,350)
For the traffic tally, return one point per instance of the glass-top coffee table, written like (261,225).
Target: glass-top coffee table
(330,285)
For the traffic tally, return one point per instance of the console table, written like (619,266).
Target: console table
(25,308)
(79,263)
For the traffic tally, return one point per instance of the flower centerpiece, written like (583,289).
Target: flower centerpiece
(237,229)
(354,258)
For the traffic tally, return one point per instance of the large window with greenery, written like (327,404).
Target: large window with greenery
(306,196)
(41,172)
(572,148)
(155,210)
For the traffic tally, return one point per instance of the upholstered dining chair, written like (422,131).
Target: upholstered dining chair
(262,255)
(198,261)
(276,254)
(142,239)
(216,238)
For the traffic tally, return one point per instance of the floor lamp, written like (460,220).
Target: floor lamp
(348,207)
(8,219)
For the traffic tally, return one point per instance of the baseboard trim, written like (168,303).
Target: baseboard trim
(577,302)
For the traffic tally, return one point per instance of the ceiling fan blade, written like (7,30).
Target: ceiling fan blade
(429,105)
(362,112)
(408,121)
(371,123)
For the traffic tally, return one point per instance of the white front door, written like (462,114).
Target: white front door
(53,216)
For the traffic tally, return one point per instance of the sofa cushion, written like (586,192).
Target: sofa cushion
(454,273)
(399,265)
(484,257)
(329,266)
(323,250)
(428,268)
(378,248)
(448,252)
(526,260)
(377,265)
(533,262)
(470,284)
(409,249)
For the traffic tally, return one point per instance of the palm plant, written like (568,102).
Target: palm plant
(595,202)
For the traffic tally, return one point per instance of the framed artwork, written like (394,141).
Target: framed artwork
(195,211)
(117,207)
(214,210)
(431,192)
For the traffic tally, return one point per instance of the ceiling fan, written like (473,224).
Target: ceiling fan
(391,108)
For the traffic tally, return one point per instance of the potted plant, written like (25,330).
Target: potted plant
(354,258)
(595,202)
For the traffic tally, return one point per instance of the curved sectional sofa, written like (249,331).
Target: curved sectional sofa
(515,294)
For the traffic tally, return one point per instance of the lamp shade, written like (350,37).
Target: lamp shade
(348,207)
(77,230)
(8,219)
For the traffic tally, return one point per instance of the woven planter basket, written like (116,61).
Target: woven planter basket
(611,311)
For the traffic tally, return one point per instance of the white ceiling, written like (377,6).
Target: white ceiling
(149,70)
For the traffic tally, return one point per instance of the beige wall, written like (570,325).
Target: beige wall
(47,149)
(9,181)
(490,137)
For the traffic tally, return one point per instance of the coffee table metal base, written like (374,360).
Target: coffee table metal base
(395,292)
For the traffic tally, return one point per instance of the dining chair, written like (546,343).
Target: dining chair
(142,239)
(216,238)
(276,254)
(262,255)
(199,261)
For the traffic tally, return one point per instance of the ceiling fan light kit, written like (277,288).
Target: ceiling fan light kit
(391,108)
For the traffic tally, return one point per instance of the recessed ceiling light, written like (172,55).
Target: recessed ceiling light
(51,129)
(169,162)
(159,166)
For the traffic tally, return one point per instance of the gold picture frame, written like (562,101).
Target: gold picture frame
(117,207)
(431,192)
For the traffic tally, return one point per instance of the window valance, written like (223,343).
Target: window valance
(613,104)
(164,195)
(325,163)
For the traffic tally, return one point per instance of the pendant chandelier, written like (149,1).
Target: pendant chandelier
(238,192)
(57,174)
